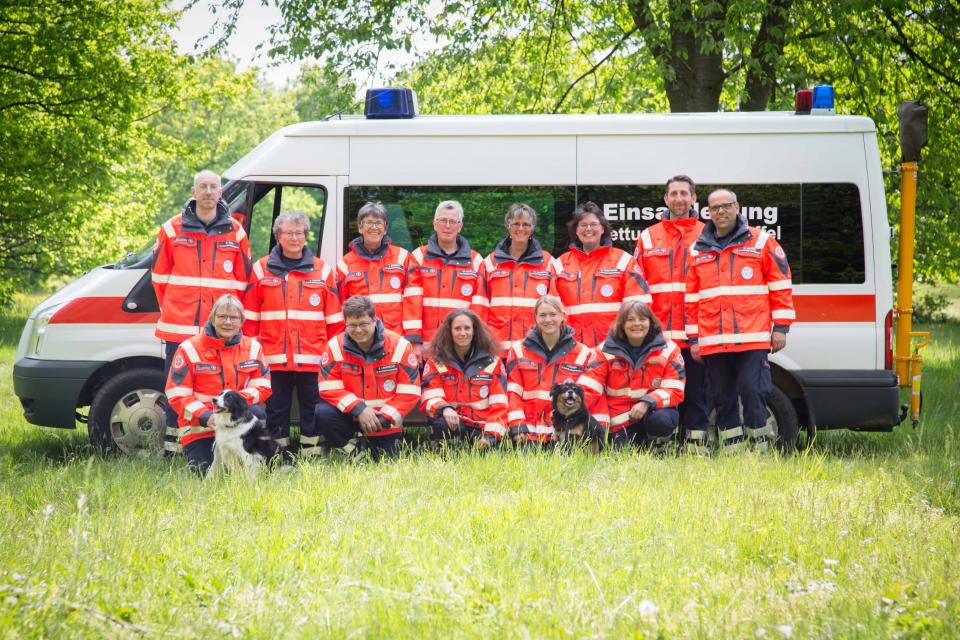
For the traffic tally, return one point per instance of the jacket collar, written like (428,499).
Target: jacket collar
(708,240)
(277,266)
(361,249)
(623,349)
(534,342)
(190,222)
(211,338)
(605,246)
(377,351)
(460,257)
(532,256)
(476,360)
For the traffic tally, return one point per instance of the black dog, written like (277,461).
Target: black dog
(571,422)
(242,440)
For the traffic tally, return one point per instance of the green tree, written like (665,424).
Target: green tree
(77,82)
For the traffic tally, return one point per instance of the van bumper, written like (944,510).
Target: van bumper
(49,389)
(851,399)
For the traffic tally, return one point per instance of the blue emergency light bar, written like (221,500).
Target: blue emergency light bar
(823,98)
(390,103)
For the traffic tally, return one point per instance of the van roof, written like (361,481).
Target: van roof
(588,124)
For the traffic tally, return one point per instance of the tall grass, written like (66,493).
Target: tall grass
(854,537)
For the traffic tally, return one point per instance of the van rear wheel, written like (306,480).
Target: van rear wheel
(783,420)
(127,414)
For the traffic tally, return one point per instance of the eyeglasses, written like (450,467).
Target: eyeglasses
(228,318)
(360,326)
(447,222)
(521,225)
(723,206)
(293,234)
(589,225)
(373,224)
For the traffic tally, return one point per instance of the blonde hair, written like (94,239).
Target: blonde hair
(553,301)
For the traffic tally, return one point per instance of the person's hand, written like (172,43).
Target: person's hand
(482,444)
(778,340)
(451,417)
(369,421)
(695,352)
(639,410)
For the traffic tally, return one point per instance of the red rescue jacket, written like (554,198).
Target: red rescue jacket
(736,290)
(193,265)
(532,370)
(386,378)
(440,283)
(621,377)
(383,277)
(514,286)
(663,252)
(593,285)
(475,389)
(203,367)
(292,310)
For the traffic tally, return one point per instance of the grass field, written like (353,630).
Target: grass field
(855,537)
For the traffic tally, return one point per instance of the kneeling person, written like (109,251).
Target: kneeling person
(369,381)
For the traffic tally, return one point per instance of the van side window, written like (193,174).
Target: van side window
(411,208)
(820,226)
(270,200)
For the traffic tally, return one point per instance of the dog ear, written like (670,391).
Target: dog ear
(556,387)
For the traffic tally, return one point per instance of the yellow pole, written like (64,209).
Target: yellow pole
(908,204)
(916,364)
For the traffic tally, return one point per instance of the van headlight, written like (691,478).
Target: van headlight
(38,329)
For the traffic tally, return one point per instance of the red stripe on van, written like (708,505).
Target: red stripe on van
(835,308)
(100,310)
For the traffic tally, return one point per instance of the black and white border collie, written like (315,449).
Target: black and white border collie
(242,441)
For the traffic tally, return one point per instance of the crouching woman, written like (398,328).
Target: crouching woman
(637,380)
(464,383)
(219,359)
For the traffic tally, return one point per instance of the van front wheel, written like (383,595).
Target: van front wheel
(782,418)
(127,414)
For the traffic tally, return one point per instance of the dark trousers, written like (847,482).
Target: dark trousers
(657,423)
(281,400)
(439,431)
(199,453)
(695,408)
(743,375)
(337,429)
(170,445)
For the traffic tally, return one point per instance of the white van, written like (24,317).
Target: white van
(814,181)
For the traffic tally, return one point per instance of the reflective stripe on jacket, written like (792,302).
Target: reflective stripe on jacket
(203,367)
(383,277)
(514,287)
(193,265)
(440,283)
(663,252)
(477,391)
(386,378)
(593,285)
(532,370)
(618,379)
(292,311)
(735,292)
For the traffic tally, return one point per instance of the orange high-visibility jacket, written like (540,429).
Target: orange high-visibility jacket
(736,290)
(476,390)
(386,378)
(292,310)
(593,285)
(193,265)
(440,283)
(383,277)
(663,252)
(203,367)
(514,287)
(532,370)
(620,378)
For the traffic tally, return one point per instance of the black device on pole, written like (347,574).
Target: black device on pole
(913,129)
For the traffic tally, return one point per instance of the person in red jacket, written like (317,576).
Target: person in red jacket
(594,277)
(637,380)
(375,268)
(548,355)
(369,381)
(518,273)
(445,274)
(464,384)
(738,286)
(292,307)
(200,255)
(663,251)
(219,359)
